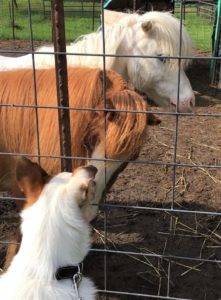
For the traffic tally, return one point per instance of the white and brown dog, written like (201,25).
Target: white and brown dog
(56,236)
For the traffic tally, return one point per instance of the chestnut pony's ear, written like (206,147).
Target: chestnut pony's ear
(30,178)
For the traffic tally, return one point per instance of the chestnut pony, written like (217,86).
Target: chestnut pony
(94,134)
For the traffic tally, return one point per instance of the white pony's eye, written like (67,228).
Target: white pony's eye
(161,58)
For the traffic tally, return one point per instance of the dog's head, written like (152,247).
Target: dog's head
(78,187)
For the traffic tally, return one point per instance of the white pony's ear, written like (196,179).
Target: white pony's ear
(147,26)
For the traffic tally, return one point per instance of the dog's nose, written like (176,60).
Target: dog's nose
(92,170)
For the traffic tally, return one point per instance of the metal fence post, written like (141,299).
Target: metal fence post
(57,8)
(13,19)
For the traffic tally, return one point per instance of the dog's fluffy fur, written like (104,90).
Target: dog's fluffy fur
(55,234)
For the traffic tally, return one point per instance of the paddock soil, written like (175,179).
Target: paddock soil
(153,233)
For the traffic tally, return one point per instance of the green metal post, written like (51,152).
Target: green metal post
(216,39)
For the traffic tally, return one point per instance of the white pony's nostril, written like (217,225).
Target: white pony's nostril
(173,106)
(192,102)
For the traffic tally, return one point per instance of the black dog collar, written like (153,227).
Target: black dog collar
(69,272)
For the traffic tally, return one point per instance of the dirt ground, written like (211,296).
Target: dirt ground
(156,232)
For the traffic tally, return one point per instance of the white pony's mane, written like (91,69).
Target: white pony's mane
(92,43)
(166,31)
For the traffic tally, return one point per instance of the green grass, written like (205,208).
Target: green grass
(199,28)
(76,23)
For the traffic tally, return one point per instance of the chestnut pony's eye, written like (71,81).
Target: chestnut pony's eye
(161,58)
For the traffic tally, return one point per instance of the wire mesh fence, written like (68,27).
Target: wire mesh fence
(158,233)
(81,17)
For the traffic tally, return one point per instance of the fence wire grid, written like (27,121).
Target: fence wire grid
(130,270)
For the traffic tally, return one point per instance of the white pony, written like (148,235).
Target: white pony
(56,236)
(155,34)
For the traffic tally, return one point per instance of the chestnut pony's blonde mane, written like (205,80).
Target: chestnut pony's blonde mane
(18,126)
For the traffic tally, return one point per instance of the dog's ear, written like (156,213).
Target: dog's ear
(87,202)
(88,193)
(91,170)
(30,178)
(88,187)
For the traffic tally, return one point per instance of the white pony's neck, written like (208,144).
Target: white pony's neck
(52,237)
(93,44)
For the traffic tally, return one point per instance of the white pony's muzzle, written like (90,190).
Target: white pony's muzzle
(185,105)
